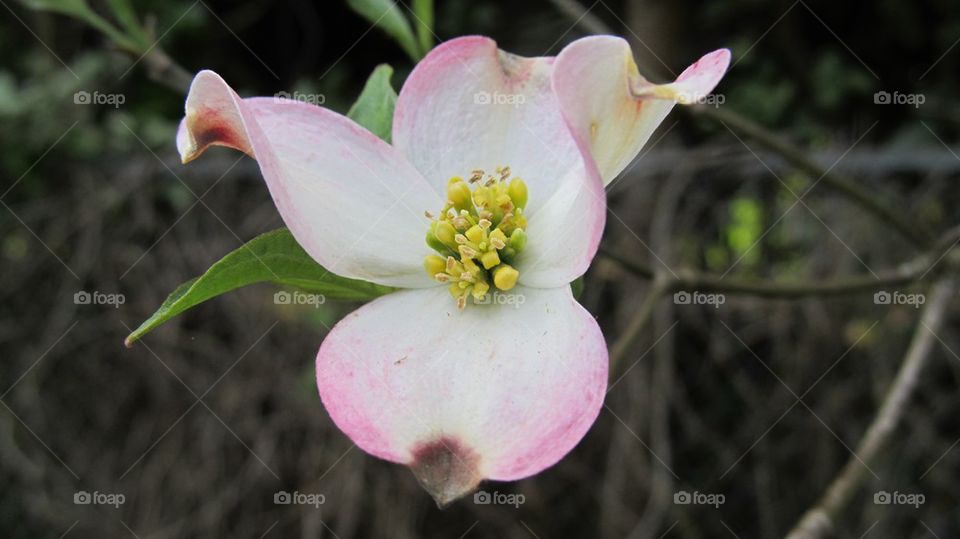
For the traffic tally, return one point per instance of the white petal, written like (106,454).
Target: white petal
(351,200)
(611,107)
(499,391)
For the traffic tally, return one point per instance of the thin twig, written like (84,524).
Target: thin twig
(628,339)
(918,269)
(818,521)
(662,479)
(164,70)
(829,177)
(583,17)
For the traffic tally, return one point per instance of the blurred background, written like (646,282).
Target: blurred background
(728,415)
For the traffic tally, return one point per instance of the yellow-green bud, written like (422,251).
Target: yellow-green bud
(446,234)
(434,264)
(432,240)
(505,277)
(454,268)
(489,259)
(475,234)
(518,192)
(458,192)
(518,240)
(480,289)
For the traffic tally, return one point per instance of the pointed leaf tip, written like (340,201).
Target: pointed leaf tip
(272,257)
(374,108)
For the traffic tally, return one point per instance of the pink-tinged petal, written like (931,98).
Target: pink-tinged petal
(612,108)
(469,105)
(351,200)
(499,391)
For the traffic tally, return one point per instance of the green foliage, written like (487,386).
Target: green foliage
(745,228)
(388,17)
(272,257)
(75,8)
(37,109)
(374,108)
(717,257)
(577,287)
(769,102)
(126,16)
(423,12)
(133,38)
(837,83)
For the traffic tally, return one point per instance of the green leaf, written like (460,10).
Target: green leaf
(68,7)
(423,12)
(125,15)
(79,9)
(374,108)
(577,287)
(272,257)
(386,15)
(745,229)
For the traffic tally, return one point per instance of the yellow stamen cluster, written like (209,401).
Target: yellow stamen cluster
(479,232)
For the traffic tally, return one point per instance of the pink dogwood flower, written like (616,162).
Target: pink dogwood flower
(484,366)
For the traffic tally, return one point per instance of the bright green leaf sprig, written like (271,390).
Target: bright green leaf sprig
(130,35)
(272,257)
(388,16)
(374,108)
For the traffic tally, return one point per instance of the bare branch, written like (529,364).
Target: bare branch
(919,269)
(164,70)
(818,521)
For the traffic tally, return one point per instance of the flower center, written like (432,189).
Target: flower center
(477,234)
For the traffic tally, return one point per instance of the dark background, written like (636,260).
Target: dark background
(200,424)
